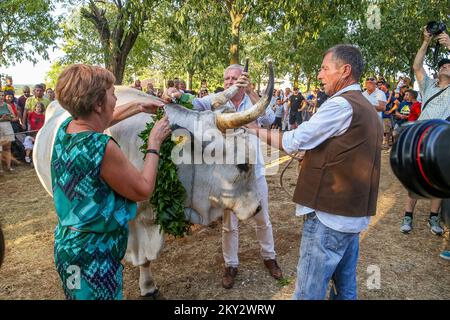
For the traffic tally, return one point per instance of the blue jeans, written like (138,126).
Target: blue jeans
(326,254)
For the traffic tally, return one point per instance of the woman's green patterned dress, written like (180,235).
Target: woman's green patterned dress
(92,233)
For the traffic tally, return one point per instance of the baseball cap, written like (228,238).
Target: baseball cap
(442,62)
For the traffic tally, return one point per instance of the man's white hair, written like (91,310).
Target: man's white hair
(234,66)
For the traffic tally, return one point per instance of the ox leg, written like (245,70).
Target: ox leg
(146,283)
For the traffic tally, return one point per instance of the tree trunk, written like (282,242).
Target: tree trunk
(190,76)
(308,82)
(297,71)
(117,66)
(236,19)
(411,73)
(117,43)
(296,76)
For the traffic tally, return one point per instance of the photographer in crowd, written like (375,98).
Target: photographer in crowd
(436,105)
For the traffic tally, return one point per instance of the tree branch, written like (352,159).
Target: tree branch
(97,17)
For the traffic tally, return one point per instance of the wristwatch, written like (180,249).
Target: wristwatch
(154,151)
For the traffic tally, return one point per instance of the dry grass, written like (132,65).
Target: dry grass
(191,267)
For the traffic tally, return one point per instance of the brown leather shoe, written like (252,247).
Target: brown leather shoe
(274,269)
(228,277)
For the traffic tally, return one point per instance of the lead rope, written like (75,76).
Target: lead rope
(294,156)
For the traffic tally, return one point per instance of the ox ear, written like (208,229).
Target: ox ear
(243,167)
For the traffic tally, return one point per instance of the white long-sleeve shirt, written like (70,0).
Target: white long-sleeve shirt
(332,119)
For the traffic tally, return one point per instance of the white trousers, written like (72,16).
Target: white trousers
(264,235)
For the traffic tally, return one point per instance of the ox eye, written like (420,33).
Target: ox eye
(243,167)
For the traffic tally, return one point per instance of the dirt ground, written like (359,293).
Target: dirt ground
(191,267)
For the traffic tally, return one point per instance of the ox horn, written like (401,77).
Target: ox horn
(222,98)
(238,119)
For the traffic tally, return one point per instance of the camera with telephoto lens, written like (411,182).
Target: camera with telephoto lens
(436,28)
(420,159)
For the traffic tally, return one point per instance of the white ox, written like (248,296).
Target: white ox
(211,188)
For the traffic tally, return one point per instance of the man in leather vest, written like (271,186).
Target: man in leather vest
(337,187)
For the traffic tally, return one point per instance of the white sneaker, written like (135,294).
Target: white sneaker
(435,226)
(27,160)
(406,226)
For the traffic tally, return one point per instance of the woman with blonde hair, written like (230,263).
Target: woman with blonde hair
(95,187)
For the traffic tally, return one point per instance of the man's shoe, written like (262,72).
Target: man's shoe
(274,269)
(406,225)
(228,277)
(435,226)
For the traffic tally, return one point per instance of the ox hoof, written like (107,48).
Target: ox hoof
(155,295)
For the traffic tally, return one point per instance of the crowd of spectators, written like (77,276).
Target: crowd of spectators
(21,117)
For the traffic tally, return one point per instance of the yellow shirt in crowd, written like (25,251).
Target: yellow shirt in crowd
(31,103)
(8,88)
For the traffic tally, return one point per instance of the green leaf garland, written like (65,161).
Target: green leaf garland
(169,194)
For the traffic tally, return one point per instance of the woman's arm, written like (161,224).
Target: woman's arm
(14,117)
(129,109)
(123,177)
(25,119)
(390,98)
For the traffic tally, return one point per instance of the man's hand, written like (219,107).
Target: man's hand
(170,94)
(444,40)
(244,82)
(427,37)
(420,56)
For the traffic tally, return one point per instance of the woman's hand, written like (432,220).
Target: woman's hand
(150,106)
(159,133)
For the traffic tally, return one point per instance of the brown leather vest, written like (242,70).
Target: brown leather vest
(341,175)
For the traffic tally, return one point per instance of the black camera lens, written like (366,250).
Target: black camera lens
(435,27)
(419,158)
